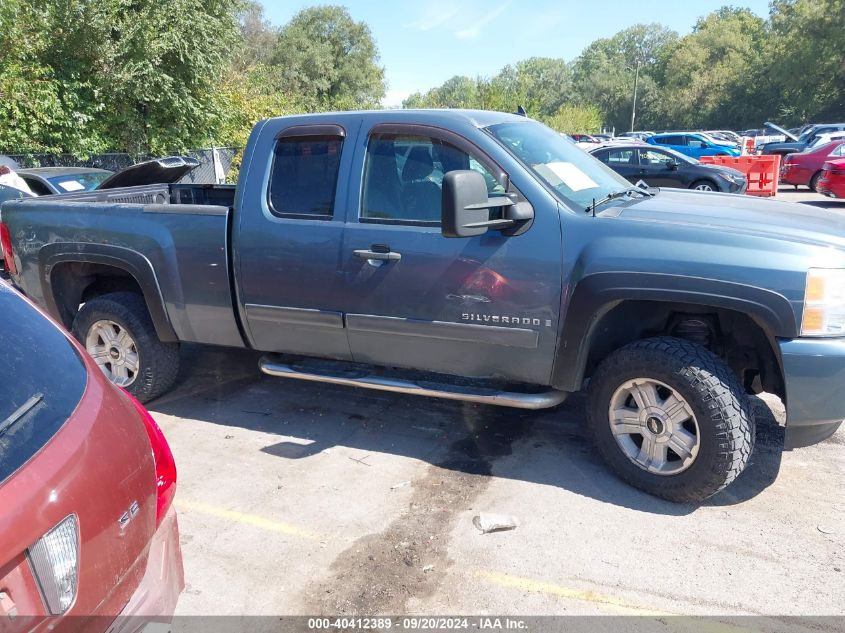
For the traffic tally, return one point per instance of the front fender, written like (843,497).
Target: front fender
(596,294)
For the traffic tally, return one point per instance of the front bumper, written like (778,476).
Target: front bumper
(814,374)
(153,603)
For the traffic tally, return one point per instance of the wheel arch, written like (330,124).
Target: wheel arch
(609,310)
(73,276)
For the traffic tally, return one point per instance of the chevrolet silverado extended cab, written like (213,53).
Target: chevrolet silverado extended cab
(467,255)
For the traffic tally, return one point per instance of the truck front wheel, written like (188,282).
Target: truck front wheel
(118,333)
(670,418)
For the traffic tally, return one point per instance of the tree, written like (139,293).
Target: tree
(605,72)
(574,119)
(706,73)
(806,60)
(456,92)
(82,76)
(257,37)
(322,53)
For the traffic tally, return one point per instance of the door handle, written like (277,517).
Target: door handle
(376,251)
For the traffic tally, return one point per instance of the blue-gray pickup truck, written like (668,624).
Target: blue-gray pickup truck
(477,256)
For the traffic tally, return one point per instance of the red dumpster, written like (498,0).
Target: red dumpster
(762,172)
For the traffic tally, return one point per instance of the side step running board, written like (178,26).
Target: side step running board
(541,400)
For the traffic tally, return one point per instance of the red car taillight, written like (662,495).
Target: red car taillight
(165,465)
(6,248)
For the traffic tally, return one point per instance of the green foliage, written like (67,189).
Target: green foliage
(806,52)
(735,70)
(710,68)
(604,74)
(574,119)
(324,55)
(145,76)
(539,84)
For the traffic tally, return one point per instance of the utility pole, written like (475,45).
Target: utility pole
(634,106)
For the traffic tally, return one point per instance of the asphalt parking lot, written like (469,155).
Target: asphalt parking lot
(301,498)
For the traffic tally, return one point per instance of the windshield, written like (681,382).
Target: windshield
(87,181)
(575,176)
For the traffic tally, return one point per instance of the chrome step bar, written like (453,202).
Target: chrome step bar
(518,400)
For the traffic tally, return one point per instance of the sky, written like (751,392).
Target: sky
(424,43)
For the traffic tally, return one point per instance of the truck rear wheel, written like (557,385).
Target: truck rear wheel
(670,418)
(118,333)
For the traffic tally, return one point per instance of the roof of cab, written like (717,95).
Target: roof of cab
(477,118)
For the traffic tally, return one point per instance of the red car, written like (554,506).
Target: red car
(832,181)
(86,487)
(805,168)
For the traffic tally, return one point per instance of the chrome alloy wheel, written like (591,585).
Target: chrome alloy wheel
(654,426)
(703,187)
(111,347)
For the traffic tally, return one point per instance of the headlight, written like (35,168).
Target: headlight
(824,303)
(735,179)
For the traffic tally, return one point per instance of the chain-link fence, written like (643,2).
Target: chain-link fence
(214,167)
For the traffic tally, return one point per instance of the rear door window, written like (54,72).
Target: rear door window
(304,177)
(42,379)
(621,157)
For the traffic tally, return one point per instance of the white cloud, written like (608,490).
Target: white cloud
(394,98)
(474,31)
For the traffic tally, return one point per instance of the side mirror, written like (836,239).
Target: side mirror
(465,210)
(672,164)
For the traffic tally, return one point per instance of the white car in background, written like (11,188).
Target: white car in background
(824,139)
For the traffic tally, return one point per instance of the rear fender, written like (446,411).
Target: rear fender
(132,262)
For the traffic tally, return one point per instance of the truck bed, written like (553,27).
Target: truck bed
(222,195)
(176,235)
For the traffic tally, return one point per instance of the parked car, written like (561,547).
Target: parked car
(832,181)
(824,139)
(640,136)
(805,168)
(763,136)
(499,253)
(801,143)
(726,135)
(659,167)
(693,144)
(584,138)
(603,138)
(46,181)
(86,487)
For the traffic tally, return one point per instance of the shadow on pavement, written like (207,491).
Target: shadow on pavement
(224,387)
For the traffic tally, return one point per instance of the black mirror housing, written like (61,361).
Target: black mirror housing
(464,194)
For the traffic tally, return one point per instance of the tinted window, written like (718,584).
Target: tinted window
(34,404)
(652,157)
(403,177)
(621,157)
(839,151)
(37,187)
(304,176)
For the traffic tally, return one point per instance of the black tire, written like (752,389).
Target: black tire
(814,181)
(158,362)
(709,183)
(725,425)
